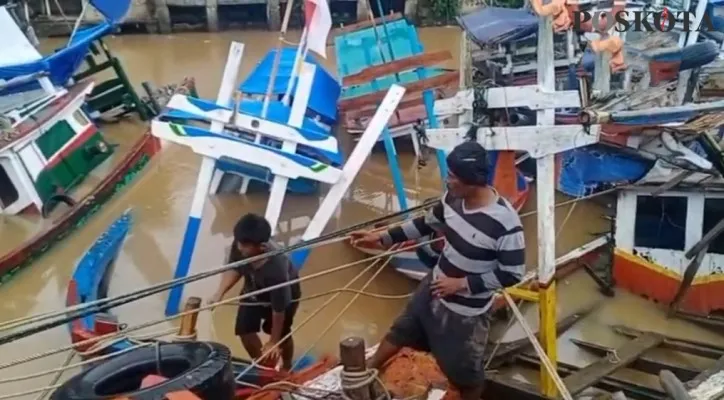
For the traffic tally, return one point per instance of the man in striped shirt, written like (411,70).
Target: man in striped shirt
(484,252)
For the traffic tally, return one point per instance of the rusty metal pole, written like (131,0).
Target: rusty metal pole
(187,330)
(352,355)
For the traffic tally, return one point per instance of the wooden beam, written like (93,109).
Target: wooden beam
(404,64)
(365,24)
(626,354)
(700,349)
(644,363)
(549,139)
(445,79)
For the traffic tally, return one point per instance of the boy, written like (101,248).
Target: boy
(252,237)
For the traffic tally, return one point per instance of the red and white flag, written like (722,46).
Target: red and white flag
(318,22)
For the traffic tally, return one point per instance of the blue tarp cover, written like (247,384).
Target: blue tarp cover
(494,25)
(60,65)
(325,89)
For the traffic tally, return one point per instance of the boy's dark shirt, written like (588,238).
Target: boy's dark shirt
(276,270)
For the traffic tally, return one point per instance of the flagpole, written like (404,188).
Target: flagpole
(277,58)
(300,56)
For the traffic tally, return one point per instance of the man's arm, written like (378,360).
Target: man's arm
(281,298)
(416,228)
(511,264)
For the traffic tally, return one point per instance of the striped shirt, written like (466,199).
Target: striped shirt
(485,245)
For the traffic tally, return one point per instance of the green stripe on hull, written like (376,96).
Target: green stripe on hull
(73,169)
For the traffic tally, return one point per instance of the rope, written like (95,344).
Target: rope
(255,362)
(562,389)
(343,310)
(210,306)
(93,350)
(90,307)
(58,375)
(360,379)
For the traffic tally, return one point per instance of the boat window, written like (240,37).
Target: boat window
(660,222)
(55,138)
(713,213)
(80,118)
(8,192)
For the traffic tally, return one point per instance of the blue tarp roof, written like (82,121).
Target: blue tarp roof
(495,25)
(60,65)
(325,89)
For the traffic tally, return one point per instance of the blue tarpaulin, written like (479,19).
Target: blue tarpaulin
(61,65)
(325,88)
(495,25)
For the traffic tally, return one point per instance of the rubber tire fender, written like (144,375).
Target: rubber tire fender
(209,374)
(53,201)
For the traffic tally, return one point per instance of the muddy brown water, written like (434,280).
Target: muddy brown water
(161,196)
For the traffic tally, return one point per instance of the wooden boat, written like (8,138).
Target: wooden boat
(90,282)
(320,118)
(226,137)
(656,229)
(371,56)
(62,122)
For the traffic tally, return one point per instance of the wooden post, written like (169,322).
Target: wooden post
(352,355)
(187,330)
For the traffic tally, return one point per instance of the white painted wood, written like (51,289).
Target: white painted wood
(355,161)
(625,220)
(539,141)
(694,219)
(252,123)
(532,96)
(218,146)
(31,160)
(545,163)
(296,118)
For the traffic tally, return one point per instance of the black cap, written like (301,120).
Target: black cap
(469,162)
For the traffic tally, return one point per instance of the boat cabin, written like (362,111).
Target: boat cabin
(653,233)
(49,146)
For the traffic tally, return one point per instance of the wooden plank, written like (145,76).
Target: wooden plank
(401,65)
(365,24)
(611,384)
(700,349)
(445,79)
(409,101)
(626,354)
(643,363)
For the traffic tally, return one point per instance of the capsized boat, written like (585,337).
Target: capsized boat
(90,283)
(372,55)
(235,175)
(49,147)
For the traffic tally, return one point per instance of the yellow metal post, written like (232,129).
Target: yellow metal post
(548,336)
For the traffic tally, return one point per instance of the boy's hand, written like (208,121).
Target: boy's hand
(273,357)
(215,298)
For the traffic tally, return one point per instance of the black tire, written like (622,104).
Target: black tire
(53,201)
(203,368)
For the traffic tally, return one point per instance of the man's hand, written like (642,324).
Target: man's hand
(365,237)
(445,286)
(273,357)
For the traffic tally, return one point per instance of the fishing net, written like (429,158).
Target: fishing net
(412,373)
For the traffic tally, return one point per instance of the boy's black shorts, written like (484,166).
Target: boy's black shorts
(252,319)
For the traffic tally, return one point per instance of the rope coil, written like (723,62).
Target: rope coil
(352,380)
